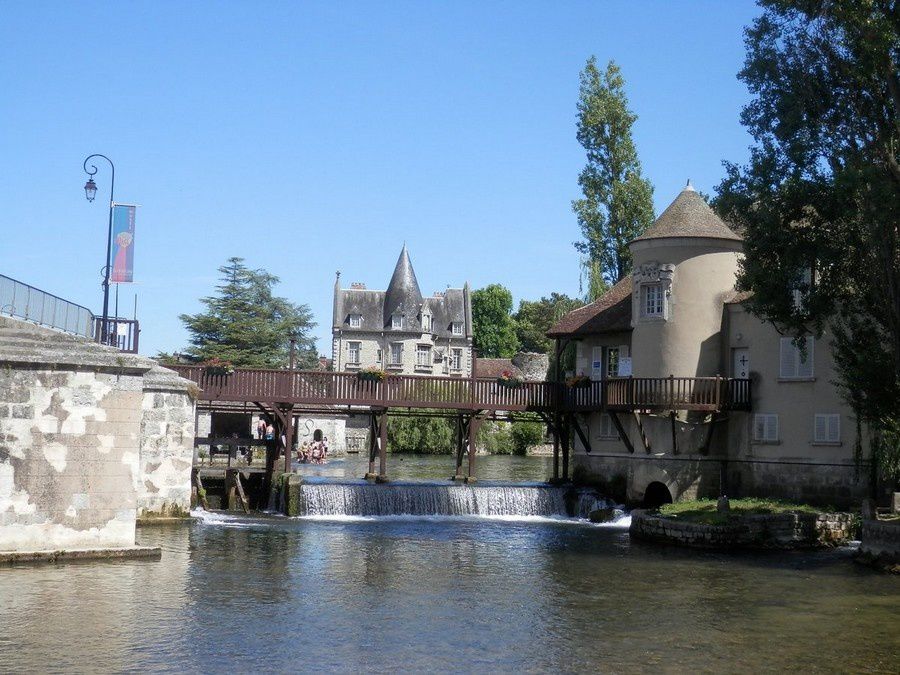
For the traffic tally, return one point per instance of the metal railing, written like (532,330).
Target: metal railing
(32,304)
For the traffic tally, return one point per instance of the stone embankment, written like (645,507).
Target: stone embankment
(765,531)
(879,545)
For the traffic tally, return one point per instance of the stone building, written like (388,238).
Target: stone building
(678,314)
(401,332)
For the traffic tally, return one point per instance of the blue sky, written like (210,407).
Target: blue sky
(315,137)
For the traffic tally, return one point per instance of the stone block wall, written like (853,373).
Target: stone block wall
(781,530)
(880,541)
(83,444)
(167,443)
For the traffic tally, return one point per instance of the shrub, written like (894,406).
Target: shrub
(526,434)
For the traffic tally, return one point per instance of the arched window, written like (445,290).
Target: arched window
(317,436)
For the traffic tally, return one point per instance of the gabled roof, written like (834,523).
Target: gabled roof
(610,313)
(689,216)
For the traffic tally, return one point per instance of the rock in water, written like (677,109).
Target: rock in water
(723,505)
(606,515)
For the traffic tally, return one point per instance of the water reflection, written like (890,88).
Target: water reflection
(274,594)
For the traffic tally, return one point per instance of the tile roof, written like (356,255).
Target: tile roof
(689,216)
(610,313)
(735,297)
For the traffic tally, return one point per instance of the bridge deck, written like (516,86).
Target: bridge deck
(710,394)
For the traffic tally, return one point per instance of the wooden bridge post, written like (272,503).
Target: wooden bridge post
(566,443)
(461,435)
(382,446)
(474,422)
(373,445)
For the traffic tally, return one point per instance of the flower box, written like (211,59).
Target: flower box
(371,375)
(508,380)
(579,382)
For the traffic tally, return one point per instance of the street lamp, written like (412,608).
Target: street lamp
(90,191)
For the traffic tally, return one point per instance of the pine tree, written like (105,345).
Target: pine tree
(244,323)
(618,201)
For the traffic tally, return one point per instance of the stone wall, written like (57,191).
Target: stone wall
(74,464)
(167,445)
(781,530)
(879,544)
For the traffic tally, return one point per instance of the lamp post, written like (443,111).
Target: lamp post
(90,191)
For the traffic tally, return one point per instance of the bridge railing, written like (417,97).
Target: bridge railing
(26,302)
(329,388)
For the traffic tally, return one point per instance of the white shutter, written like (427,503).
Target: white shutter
(765,428)
(821,428)
(772,428)
(805,361)
(827,428)
(788,358)
(834,428)
(759,427)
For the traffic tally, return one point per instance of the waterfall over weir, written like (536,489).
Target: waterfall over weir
(439,499)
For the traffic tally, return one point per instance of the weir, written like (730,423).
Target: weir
(359,498)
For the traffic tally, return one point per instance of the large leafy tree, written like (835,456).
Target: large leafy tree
(494,332)
(819,200)
(617,205)
(246,324)
(534,318)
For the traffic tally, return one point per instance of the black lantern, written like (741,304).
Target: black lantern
(90,189)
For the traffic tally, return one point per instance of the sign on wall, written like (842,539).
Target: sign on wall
(624,366)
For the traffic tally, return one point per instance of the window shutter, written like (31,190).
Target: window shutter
(759,428)
(821,433)
(788,358)
(805,365)
(834,428)
(772,430)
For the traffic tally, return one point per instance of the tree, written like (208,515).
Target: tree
(618,201)
(819,201)
(244,323)
(493,330)
(427,435)
(535,318)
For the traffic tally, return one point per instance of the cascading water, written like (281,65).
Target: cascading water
(434,499)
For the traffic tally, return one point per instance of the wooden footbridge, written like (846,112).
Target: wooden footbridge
(281,394)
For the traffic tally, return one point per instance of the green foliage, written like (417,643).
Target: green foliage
(535,318)
(704,510)
(821,192)
(495,438)
(617,205)
(494,332)
(425,435)
(244,323)
(526,434)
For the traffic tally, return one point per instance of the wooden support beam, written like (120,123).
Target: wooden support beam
(566,445)
(585,442)
(644,440)
(374,435)
(674,435)
(474,423)
(462,433)
(556,434)
(617,423)
(714,419)
(240,490)
(382,446)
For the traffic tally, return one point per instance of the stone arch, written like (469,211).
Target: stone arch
(656,494)
(317,435)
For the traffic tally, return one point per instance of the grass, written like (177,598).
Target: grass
(704,510)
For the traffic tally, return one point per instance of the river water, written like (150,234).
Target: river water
(472,593)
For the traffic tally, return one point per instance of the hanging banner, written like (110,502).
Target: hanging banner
(122,271)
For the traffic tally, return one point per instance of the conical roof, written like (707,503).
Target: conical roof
(403,295)
(689,216)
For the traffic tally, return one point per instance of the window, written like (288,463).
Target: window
(652,299)
(396,354)
(800,289)
(426,323)
(423,355)
(612,362)
(607,429)
(397,321)
(765,428)
(355,320)
(456,328)
(456,359)
(827,429)
(796,363)
(379,356)
(353,350)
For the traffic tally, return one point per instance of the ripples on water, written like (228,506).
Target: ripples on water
(465,593)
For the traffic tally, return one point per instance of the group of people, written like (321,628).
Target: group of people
(315,452)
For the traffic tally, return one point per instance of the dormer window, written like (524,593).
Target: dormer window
(355,320)
(397,322)
(426,323)
(456,328)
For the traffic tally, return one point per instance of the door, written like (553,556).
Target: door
(740,363)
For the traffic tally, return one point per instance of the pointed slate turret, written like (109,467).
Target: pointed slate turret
(689,216)
(403,295)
